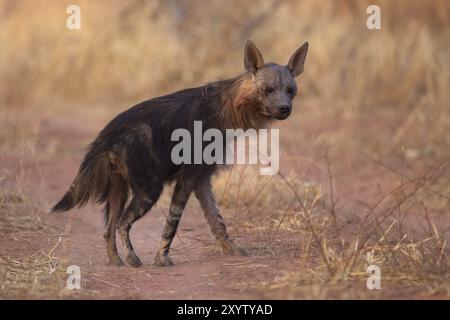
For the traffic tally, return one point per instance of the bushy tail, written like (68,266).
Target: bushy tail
(91,183)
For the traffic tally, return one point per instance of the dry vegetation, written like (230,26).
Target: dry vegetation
(22,273)
(381,93)
(337,247)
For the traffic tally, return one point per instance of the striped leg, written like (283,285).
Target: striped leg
(208,203)
(180,197)
(135,210)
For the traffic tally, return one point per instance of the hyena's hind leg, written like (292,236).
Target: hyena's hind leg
(141,203)
(135,210)
(117,198)
(180,197)
(204,194)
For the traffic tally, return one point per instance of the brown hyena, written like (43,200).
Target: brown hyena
(132,154)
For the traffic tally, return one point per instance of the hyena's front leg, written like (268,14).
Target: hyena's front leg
(204,194)
(180,197)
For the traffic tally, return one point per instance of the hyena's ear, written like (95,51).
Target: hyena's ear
(297,61)
(253,59)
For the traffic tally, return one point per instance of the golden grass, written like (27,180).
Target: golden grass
(12,218)
(40,274)
(134,49)
(245,187)
(334,251)
(129,51)
(126,52)
(24,274)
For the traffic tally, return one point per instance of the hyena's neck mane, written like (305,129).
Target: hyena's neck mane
(239,103)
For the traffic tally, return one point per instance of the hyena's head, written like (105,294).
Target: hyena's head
(274,83)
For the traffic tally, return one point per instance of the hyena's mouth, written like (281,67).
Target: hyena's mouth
(276,115)
(268,113)
(282,116)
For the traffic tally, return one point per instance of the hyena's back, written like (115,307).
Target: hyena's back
(136,145)
(131,155)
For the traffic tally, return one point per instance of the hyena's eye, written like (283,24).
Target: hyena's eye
(290,91)
(268,90)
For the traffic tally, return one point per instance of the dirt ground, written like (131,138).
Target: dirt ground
(201,271)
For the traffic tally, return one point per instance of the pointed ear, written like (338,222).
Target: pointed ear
(297,61)
(253,59)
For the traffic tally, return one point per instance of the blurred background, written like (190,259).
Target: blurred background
(129,51)
(137,49)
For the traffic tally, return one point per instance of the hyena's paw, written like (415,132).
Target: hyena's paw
(162,260)
(133,260)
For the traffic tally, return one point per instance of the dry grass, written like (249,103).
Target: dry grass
(24,274)
(37,275)
(20,214)
(130,51)
(337,247)
(245,187)
(19,134)
(116,52)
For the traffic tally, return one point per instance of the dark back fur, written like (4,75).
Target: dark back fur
(138,140)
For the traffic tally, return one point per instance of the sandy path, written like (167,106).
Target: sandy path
(200,270)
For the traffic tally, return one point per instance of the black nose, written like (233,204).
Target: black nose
(284,109)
